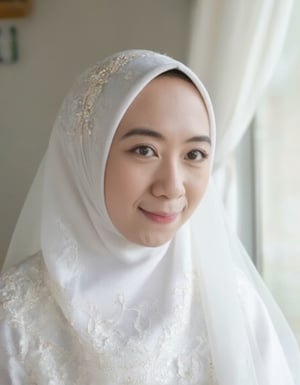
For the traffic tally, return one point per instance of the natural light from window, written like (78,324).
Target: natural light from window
(277,156)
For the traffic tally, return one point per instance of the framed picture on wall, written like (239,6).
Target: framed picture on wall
(11,9)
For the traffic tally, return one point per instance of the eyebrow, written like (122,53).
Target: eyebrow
(158,135)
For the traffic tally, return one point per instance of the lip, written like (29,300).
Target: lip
(160,217)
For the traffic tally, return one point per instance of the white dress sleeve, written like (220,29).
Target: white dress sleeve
(34,346)
(11,368)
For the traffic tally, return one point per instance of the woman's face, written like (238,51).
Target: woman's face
(158,165)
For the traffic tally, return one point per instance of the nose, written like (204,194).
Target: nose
(168,181)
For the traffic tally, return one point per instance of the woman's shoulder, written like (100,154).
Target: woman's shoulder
(22,284)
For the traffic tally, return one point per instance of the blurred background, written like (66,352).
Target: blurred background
(246,53)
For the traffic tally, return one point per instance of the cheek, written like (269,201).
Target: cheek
(123,187)
(197,189)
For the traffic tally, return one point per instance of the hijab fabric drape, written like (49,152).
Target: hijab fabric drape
(91,270)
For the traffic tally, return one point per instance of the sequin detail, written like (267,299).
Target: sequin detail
(97,77)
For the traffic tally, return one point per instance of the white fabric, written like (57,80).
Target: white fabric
(124,310)
(277,136)
(235,45)
(26,238)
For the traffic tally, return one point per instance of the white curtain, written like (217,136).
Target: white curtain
(234,46)
(277,137)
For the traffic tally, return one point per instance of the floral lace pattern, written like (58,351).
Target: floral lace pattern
(47,350)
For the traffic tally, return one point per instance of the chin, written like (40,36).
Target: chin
(150,240)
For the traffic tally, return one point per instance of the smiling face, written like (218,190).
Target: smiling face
(158,165)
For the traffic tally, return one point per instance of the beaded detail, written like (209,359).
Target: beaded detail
(96,78)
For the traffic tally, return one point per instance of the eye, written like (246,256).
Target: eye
(145,151)
(196,155)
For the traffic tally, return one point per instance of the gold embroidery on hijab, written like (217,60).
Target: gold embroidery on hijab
(96,79)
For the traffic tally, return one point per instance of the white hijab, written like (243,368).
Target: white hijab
(89,263)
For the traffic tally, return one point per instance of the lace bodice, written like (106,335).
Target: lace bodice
(39,346)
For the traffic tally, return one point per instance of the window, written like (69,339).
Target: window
(277,158)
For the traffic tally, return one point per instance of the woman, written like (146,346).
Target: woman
(136,278)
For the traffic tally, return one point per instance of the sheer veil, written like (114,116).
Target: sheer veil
(25,240)
(250,341)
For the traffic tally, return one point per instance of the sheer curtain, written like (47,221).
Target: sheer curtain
(234,46)
(277,138)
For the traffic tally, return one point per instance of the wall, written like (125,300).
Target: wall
(57,41)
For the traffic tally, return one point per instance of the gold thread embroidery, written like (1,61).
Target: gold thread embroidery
(97,78)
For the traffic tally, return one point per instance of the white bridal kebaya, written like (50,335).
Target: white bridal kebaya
(80,304)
